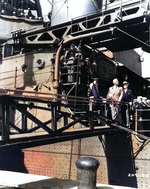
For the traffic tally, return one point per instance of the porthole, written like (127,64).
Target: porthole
(40,63)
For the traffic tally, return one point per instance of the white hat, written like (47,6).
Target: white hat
(125,82)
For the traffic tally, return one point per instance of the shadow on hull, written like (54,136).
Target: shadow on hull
(120,160)
(12,159)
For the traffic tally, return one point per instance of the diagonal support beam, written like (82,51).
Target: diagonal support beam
(73,123)
(14,126)
(33,129)
(31,117)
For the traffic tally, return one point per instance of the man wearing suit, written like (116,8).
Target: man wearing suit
(127,100)
(114,97)
(93,90)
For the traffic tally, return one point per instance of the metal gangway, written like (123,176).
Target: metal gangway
(70,118)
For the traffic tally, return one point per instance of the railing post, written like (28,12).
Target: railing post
(15,78)
(24,121)
(5,120)
(127,117)
(54,116)
(136,119)
(91,124)
(87,172)
(91,103)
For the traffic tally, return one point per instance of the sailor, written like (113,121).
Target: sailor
(94,91)
(94,88)
(127,93)
(127,101)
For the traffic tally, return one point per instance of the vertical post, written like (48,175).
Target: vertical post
(1,56)
(91,123)
(15,77)
(56,72)
(86,22)
(127,117)
(67,11)
(54,117)
(87,172)
(5,121)
(24,121)
(91,103)
(64,101)
(136,112)
(148,35)
(90,116)
(65,120)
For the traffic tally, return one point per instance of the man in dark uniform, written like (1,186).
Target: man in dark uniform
(127,100)
(94,92)
(94,89)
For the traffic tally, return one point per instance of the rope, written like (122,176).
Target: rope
(95,5)
(131,36)
(59,9)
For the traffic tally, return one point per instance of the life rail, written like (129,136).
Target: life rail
(55,97)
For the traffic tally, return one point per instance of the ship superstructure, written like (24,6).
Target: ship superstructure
(45,77)
(17,15)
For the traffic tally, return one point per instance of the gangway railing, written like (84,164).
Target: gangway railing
(49,131)
(78,120)
(142,121)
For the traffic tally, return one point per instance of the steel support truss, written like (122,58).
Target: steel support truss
(103,29)
(92,123)
(29,137)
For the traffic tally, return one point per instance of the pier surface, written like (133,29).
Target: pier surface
(9,179)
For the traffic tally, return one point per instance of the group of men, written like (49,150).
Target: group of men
(119,99)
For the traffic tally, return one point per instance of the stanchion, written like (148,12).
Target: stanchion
(87,172)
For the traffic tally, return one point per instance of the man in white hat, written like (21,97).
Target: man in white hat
(114,97)
(127,100)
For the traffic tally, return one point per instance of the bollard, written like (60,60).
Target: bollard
(87,172)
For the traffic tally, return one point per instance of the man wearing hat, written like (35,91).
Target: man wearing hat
(114,97)
(94,88)
(127,99)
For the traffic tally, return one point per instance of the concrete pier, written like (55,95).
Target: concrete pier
(87,172)
(10,180)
